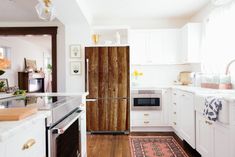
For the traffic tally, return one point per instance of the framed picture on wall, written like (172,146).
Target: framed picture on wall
(75,67)
(75,51)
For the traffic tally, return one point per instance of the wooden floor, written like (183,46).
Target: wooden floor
(118,145)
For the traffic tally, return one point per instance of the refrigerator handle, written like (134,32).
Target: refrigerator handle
(87,75)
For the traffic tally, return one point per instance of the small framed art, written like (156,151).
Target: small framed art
(75,67)
(3,84)
(75,51)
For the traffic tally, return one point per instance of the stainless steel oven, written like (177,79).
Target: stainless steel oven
(146,100)
(64,139)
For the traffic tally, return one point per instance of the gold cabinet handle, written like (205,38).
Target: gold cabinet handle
(146,114)
(174,103)
(146,122)
(174,112)
(28,144)
(174,123)
(207,122)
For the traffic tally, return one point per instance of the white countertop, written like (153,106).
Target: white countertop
(10,128)
(227,94)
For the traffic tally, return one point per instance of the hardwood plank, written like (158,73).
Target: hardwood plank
(92,116)
(118,145)
(122,114)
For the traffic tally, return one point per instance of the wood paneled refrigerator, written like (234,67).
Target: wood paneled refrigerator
(108,83)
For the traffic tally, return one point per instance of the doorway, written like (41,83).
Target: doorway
(38,31)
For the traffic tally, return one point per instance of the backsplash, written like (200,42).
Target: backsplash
(161,75)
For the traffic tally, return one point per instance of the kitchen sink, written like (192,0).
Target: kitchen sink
(200,99)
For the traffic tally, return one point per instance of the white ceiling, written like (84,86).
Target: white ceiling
(18,10)
(142,9)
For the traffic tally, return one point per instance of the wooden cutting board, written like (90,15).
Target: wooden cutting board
(13,114)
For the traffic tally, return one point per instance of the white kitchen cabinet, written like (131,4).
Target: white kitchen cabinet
(32,135)
(191,37)
(138,46)
(187,117)
(146,118)
(204,136)
(213,139)
(174,111)
(83,135)
(159,46)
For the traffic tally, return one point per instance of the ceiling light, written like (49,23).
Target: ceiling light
(45,10)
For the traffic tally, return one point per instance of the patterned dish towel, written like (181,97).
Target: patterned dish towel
(212,107)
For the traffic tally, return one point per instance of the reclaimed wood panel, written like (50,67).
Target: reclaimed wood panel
(92,53)
(113,72)
(103,73)
(108,81)
(92,114)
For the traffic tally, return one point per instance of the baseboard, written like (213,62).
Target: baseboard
(152,129)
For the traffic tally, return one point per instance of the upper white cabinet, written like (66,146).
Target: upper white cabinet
(191,35)
(161,46)
(166,46)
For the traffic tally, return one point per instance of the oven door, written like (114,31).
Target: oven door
(64,139)
(147,102)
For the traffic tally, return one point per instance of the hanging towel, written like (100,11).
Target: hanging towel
(212,107)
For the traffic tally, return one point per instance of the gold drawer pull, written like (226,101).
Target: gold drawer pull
(207,122)
(174,123)
(28,144)
(146,114)
(146,122)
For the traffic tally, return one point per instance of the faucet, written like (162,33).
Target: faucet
(228,66)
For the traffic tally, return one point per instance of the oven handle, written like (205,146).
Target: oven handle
(66,123)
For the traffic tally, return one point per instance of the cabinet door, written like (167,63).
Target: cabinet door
(155,47)
(171,45)
(187,117)
(204,136)
(221,142)
(138,46)
(83,135)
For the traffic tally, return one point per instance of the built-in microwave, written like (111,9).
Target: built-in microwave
(146,100)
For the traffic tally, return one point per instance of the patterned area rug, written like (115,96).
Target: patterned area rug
(155,146)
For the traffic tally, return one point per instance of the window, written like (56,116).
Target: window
(219,41)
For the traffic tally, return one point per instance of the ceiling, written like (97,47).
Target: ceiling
(142,9)
(18,10)
(24,10)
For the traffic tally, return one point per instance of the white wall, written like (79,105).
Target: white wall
(20,49)
(162,75)
(76,34)
(202,14)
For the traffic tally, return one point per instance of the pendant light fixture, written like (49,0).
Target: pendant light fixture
(45,10)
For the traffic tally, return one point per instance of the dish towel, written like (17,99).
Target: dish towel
(212,107)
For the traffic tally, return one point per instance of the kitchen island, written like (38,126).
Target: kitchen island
(60,117)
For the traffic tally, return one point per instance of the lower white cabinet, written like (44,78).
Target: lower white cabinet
(28,142)
(204,136)
(187,117)
(182,115)
(213,139)
(83,136)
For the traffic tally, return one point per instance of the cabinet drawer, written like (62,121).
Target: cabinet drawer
(146,115)
(32,135)
(142,122)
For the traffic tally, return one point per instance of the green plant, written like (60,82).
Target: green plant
(2,84)
(49,66)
